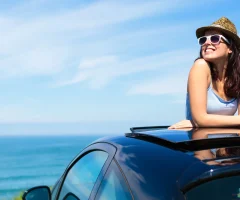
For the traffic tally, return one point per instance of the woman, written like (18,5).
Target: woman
(214,80)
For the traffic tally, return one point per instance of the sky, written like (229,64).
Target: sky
(98,67)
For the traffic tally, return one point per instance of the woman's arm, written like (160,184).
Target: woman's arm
(197,88)
(198,83)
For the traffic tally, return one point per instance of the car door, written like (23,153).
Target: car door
(84,175)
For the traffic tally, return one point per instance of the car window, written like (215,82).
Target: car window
(83,175)
(113,186)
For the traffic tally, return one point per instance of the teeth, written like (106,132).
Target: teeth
(209,49)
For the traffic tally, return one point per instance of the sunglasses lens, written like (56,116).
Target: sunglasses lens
(202,40)
(215,39)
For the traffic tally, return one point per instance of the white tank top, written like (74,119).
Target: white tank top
(215,105)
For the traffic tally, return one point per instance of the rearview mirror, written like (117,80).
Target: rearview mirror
(37,193)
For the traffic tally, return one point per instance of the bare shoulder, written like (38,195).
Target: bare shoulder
(200,66)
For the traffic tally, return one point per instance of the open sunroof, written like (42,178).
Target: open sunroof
(186,140)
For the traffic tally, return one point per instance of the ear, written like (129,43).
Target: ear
(229,51)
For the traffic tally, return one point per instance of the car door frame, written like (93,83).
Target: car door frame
(98,146)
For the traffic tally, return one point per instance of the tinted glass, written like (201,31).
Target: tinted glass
(202,40)
(114,186)
(83,175)
(220,189)
(215,38)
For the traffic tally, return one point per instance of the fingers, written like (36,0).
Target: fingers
(171,127)
(181,124)
(175,126)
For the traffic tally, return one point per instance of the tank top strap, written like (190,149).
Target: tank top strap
(210,85)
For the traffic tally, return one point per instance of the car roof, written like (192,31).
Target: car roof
(140,160)
(183,139)
(181,142)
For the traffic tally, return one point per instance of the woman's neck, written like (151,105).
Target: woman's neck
(221,66)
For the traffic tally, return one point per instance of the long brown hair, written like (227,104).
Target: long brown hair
(232,75)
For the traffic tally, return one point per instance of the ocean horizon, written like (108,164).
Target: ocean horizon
(28,161)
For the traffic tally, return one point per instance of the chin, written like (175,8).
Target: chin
(209,58)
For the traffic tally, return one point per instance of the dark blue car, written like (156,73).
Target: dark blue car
(152,163)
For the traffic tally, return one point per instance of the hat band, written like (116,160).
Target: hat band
(219,26)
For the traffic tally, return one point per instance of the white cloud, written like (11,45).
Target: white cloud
(105,69)
(15,31)
(91,63)
(41,45)
(176,83)
(34,62)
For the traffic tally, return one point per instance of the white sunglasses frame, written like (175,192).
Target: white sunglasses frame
(209,36)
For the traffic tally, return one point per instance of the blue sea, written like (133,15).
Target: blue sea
(28,161)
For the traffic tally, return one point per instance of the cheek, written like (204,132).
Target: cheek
(225,51)
(222,51)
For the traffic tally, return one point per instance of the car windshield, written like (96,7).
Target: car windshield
(220,189)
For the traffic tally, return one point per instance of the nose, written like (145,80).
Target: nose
(208,41)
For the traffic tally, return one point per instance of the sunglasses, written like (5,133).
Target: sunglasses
(214,39)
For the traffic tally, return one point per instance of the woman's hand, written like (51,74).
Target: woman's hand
(183,124)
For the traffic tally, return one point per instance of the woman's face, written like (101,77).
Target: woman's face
(213,52)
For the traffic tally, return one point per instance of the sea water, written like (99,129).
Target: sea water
(28,161)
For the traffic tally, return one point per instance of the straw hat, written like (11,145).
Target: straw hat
(225,26)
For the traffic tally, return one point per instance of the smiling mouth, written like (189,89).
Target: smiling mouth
(209,50)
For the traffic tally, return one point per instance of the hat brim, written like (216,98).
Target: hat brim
(201,31)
